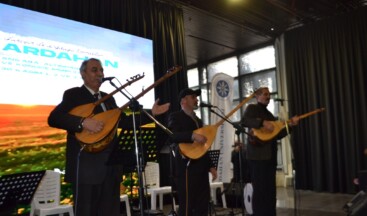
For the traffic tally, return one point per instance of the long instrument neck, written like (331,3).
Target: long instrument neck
(135,78)
(170,73)
(234,110)
(309,114)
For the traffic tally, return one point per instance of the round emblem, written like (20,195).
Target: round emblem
(222,88)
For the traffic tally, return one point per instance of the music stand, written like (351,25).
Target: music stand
(124,152)
(18,189)
(214,156)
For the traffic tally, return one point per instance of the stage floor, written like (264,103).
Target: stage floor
(308,204)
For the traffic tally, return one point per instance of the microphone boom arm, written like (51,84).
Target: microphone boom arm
(236,126)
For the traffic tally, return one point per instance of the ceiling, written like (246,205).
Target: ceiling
(215,29)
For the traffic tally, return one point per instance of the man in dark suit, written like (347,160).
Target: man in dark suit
(262,156)
(191,175)
(96,186)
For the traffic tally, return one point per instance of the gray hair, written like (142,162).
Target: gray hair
(259,91)
(85,62)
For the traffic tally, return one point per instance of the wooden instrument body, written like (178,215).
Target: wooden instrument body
(264,135)
(110,119)
(84,110)
(196,150)
(96,142)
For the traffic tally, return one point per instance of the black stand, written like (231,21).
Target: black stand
(295,194)
(135,106)
(171,154)
(239,130)
(214,156)
(240,159)
(239,162)
(18,189)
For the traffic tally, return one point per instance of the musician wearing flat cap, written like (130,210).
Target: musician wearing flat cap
(191,175)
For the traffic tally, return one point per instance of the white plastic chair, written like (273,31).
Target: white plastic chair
(152,183)
(213,189)
(46,200)
(125,198)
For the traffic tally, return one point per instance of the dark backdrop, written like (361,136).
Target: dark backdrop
(326,66)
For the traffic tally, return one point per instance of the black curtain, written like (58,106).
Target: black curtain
(326,66)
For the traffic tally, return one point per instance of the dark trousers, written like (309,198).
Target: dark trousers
(192,187)
(262,174)
(98,199)
(193,195)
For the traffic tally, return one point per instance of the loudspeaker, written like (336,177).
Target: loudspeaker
(357,206)
(233,192)
(362,178)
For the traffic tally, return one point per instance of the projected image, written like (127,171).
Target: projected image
(40,58)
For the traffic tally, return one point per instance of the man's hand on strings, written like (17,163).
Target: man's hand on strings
(93,125)
(198,138)
(268,126)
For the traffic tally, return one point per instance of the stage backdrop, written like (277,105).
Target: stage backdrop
(40,56)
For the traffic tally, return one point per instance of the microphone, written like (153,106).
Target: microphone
(107,79)
(206,105)
(279,99)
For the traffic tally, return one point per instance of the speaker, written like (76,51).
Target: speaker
(233,192)
(357,206)
(362,178)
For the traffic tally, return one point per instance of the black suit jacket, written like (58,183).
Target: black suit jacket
(182,127)
(191,176)
(253,117)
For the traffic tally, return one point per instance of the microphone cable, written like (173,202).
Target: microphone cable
(77,181)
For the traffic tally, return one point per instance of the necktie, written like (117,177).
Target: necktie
(96,96)
(98,108)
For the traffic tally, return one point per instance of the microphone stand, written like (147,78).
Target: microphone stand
(295,194)
(171,156)
(295,197)
(239,130)
(135,106)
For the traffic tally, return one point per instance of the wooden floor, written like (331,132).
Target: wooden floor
(308,203)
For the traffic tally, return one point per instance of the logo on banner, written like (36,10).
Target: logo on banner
(222,88)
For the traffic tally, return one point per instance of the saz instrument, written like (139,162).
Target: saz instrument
(264,135)
(196,150)
(96,142)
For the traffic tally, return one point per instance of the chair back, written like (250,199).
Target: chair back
(48,191)
(151,175)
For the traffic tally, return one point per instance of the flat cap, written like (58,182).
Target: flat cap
(188,91)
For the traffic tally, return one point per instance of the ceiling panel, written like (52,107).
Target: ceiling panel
(218,28)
